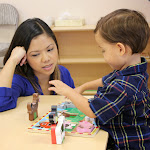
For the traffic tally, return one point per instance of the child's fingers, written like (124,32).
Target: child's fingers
(54,83)
(51,84)
(52,89)
(66,97)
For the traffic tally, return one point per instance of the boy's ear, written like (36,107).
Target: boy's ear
(122,48)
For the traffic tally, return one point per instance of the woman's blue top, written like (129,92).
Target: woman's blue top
(22,87)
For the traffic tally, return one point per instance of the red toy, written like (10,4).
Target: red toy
(53,134)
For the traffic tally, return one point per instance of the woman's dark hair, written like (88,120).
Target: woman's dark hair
(125,26)
(28,30)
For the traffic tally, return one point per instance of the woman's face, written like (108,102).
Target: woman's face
(42,55)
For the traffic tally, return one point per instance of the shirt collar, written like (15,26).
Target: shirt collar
(134,69)
(130,70)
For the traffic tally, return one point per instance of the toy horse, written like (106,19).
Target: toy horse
(33,107)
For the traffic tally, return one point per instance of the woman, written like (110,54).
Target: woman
(30,63)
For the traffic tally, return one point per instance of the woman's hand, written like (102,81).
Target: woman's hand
(18,55)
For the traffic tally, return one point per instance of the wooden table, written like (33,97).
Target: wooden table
(14,133)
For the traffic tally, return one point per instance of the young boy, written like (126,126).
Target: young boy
(122,103)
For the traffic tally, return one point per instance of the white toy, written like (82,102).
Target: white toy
(60,130)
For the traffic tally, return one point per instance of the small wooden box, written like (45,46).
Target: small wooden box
(69,23)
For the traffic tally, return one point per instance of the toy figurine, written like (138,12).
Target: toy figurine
(66,105)
(53,115)
(33,107)
(60,130)
(57,126)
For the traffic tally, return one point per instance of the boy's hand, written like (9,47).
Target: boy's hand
(60,87)
(18,55)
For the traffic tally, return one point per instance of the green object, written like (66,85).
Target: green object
(35,115)
(75,119)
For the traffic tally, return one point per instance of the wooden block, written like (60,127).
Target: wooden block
(33,107)
(53,134)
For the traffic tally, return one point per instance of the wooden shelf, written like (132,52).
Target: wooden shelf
(84,60)
(81,60)
(81,28)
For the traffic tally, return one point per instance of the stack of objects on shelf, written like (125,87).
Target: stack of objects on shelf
(67,20)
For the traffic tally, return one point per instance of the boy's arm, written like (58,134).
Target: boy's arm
(79,101)
(91,85)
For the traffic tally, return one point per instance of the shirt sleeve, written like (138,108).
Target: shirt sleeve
(66,77)
(108,102)
(9,96)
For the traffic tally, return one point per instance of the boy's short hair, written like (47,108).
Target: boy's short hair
(125,26)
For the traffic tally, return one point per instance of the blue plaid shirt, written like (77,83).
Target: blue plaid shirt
(122,107)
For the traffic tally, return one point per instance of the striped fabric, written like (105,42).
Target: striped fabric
(8,15)
(122,107)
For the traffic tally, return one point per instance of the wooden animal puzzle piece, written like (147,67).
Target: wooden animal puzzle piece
(33,107)
(57,126)
(66,105)
(60,130)
(53,116)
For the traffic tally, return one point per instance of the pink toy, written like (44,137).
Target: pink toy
(84,126)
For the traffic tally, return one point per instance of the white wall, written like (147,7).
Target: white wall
(91,10)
